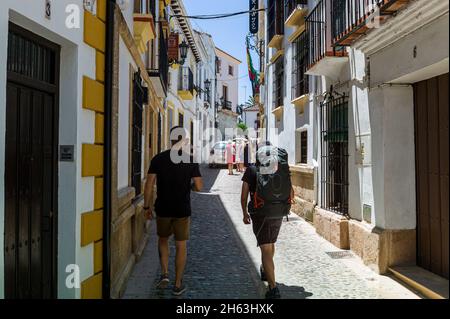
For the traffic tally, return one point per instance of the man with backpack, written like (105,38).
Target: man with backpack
(271,195)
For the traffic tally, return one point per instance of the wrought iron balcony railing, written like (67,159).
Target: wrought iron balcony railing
(353,18)
(160,67)
(227,105)
(275,17)
(320,30)
(186,80)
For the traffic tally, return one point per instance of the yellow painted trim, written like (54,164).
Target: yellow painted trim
(98,256)
(276,56)
(416,286)
(185,95)
(144,30)
(101,10)
(276,41)
(94,31)
(278,111)
(91,288)
(301,101)
(297,17)
(93,95)
(296,34)
(98,193)
(91,227)
(91,160)
(100,66)
(99,128)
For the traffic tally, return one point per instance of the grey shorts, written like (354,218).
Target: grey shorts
(266,230)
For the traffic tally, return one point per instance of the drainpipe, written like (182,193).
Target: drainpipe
(109,55)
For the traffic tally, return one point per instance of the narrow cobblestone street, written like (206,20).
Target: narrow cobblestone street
(223,258)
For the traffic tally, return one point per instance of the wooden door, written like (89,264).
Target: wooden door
(31,166)
(431,130)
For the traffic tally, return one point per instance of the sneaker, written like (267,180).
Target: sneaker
(178,291)
(273,293)
(163,282)
(262,273)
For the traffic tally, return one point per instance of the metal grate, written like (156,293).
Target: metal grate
(278,82)
(334,154)
(31,59)
(300,83)
(138,107)
(346,254)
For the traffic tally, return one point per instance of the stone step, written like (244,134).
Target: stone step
(428,284)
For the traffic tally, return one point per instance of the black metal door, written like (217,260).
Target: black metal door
(138,108)
(31,166)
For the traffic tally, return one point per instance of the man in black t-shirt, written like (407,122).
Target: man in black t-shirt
(173,172)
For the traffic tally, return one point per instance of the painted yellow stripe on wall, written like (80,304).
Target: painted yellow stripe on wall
(91,227)
(98,193)
(94,31)
(93,95)
(92,160)
(101,10)
(98,256)
(100,66)
(99,128)
(91,288)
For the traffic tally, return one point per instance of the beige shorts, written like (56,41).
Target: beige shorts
(179,227)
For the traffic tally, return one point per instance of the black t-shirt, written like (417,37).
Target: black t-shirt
(250,178)
(173,185)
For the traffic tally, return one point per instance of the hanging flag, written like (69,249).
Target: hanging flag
(252,73)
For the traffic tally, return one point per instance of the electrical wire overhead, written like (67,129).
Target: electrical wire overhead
(216,16)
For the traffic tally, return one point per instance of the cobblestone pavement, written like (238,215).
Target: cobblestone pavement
(223,258)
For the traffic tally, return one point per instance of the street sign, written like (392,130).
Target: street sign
(254,21)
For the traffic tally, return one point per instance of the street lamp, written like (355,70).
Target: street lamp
(183,51)
(183,47)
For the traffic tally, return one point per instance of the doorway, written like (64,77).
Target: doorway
(31,165)
(432,153)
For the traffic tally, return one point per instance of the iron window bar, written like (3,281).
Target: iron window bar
(334,153)
(300,81)
(137,129)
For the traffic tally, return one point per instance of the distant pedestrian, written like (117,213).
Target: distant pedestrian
(271,195)
(172,205)
(229,155)
(240,145)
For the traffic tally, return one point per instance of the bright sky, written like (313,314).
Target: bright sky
(228,33)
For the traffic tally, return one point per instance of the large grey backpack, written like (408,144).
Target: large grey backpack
(272,198)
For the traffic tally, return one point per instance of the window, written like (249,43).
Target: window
(299,63)
(145,7)
(230,70)
(137,129)
(225,93)
(304,147)
(275,17)
(278,83)
(334,154)
(181,119)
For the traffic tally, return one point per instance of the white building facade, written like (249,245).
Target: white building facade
(372,116)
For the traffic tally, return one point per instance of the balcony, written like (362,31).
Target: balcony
(300,81)
(295,12)
(144,30)
(227,105)
(275,25)
(354,18)
(159,71)
(325,59)
(185,83)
